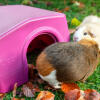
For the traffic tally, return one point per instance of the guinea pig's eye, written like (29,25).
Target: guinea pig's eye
(85,33)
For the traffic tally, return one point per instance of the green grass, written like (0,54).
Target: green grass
(91,7)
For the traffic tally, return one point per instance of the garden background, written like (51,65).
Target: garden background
(73,9)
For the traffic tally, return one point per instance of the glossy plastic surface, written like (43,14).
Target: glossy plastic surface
(19,25)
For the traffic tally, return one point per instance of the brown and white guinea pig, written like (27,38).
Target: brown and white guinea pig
(68,62)
(89,28)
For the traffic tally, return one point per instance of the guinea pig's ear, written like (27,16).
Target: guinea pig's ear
(92,34)
(96,45)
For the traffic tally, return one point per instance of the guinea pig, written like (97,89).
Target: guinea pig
(68,62)
(89,28)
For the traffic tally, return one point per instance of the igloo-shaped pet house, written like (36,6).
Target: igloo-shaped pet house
(19,26)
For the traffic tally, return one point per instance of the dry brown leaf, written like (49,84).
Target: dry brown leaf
(45,95)
(30,85)
(40,81)
(57,10)
(27,91)
(17,98)
(66,87)
(66,9)
(2,94)
(77,94)
(71,31)
(72,95)
(14,90)
(91,95)
(81,5)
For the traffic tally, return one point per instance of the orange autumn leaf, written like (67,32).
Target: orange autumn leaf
(1,94)
(45,95)
(65,87)
(89,90)
(17,98)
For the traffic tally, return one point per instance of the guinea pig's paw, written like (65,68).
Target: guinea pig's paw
(57,86)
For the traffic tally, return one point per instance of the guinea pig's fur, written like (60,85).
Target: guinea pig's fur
(89,28)
(68,62)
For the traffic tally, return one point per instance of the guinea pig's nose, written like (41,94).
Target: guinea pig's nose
(75,39)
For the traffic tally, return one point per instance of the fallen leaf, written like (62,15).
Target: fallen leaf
(17,98)
(40,81)
(14,90)
(45,95)
(20,94)
(72,95)
(66,87)
(66,9)
(27,91)
(2,94)
(91,94)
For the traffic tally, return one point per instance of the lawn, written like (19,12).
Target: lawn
(90,7)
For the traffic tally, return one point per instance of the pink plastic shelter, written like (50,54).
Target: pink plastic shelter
(19,26)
